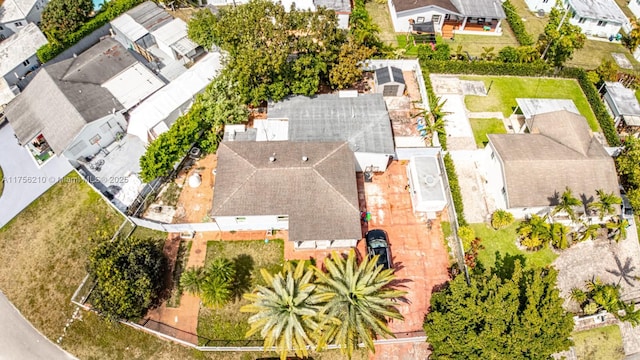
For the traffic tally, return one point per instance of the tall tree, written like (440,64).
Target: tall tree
(128,274)
(348,69)
(199,28)
(566,204)
(285,310)
(629,170)
(560,38)
(360,299)
(607,203)
(506,313)
(62,17)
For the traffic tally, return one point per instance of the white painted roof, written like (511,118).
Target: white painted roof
(19,47)
(271,129)
(12,10)
(535,106)
(174,34)
(133,85)
(6,95)
(129,27)
(599,9)
(160,105)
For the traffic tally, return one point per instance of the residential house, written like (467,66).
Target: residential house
(526,173)
(75,107)
(448,17)
(155,34)
(17,59)
(389,81)
(361,120)
(624,107)
(600,18)
(307,188)
(15,14)
(634,6)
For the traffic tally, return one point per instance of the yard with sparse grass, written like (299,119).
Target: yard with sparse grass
(228,323)
(504,241)
(594,51)
(380,15)
(599,343)
(504,90)
(482,127)
(476,44)
(532,22)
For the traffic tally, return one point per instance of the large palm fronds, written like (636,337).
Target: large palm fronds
(215,292)
(285,310)
(566,203)
(191,280)
(605,204)
(360,301)
(617,229)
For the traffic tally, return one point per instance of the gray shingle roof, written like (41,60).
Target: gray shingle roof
(319,195)
(403,5)
(363,121)
(473,8)
(559,153)
(65,96)
(599,9)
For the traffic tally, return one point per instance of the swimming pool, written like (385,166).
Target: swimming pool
(97,4)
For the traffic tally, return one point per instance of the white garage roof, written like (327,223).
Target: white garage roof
(174,34)
(129,27)
(534,106)
(178,92)
(133,85)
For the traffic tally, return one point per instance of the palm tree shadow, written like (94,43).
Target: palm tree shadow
(244,265)
(624,272)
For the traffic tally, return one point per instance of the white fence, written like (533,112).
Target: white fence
(175,228)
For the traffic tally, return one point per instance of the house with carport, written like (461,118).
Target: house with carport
(526,173)
(623,105)
(448,17)
(307,188)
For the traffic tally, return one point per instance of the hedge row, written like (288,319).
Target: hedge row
(534,69)
(515,21)
(112,9)
(454,186)
(442,137)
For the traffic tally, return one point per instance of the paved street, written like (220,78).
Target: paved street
(24,181)
(20,340)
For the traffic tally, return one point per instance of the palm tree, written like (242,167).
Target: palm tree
(566,203)
(221,268)
(434,121)
(578,295)
(191,280)
(589,232)
(360,301)
(633,39)
(286,310)
(559,236)
(605,295)
(617,229)
(605,204)
(215,292)
(534,232)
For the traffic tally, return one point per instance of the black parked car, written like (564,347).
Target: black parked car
(378,244)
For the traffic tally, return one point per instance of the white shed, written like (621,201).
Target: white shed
(426,184)
(389,81)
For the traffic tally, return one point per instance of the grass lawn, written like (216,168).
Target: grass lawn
(594,51)
(505,89)
(504,241)
(599,343)
(475,44)
(1,181)
(532,22)
(482,127)
(380,15)
(228,323)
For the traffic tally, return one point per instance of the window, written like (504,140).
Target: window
(25,63)
(94,140)
(283,218)
(241,219)
(582,20)
(18,23)
(436,18)
(420,19)
(504,192)
(545,1)
(493,155)
(602,23)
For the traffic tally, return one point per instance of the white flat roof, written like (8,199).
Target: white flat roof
(427,182)
(129,27)
(13,10)
(534,106)
(19,47)
(160,105)
(271,130)
(174,34)
(133,85)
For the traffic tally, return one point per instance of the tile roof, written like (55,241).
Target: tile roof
(319,195)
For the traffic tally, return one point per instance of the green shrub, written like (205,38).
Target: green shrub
(537,68)
(467,235)
(508,54)
(454,186)
(500,219)
(514,20)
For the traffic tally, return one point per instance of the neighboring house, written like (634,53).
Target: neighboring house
(537,5)
(341,7)
(526,173)
(624,107)
(15,14)
(17,59)
(157,113)
(307,188)
(389,81)
(362,121)
(155,34)
(530,107)
(634,6)
(75,107)
(601,18)
(448,17)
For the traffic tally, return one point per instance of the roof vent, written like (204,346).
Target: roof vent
(272,158)
(304,158)
(429,180)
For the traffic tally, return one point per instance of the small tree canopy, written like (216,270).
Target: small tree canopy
(128,274)
(560,43)
(506,313)
(62,17)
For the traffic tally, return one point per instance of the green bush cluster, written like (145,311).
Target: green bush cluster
(111,10)
(486,68)
(500,219)
(442,136)
(467,235)
(454,186)
(514,20)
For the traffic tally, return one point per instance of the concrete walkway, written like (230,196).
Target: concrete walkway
(23,180)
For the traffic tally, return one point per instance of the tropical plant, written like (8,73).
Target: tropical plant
(434,121)
(360,298)
(590,308)
(534,232)
(578,295)
(617,229)
(467,235)
(191,280)
(588,232)
(501,219)
(632,40)
(286,309)
(560,38)
(213,283)
(559,235)
(606,204)
(566,204)
(487,53)
(607,296)
(215,292)
(631,315)
(608,70)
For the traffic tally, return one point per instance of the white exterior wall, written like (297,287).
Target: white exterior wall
(167,49)
(81,147)
(35,15)
(634,6)
(325,244)
(6,30)
(12,27)
(521,213)
(590,27)
(378,161)
(21,70)
(535,5)
(343,20)
(250,223)
(494,177)
(401,20)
